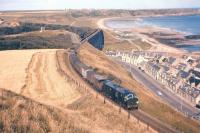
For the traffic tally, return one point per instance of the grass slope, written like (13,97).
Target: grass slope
(30,116)
(46,104)
(36,40)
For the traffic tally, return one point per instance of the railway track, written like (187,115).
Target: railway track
(156,124)
(89,36)
(141,116)
(152,122)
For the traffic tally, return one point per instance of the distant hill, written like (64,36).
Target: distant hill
(121,12)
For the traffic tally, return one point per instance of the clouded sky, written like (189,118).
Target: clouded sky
(102,4)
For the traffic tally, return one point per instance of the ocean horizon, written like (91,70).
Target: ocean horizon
(189,24)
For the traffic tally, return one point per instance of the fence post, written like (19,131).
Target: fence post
(147,127)
(97,95)
(129,114)
(120,109)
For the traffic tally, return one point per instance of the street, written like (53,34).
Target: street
(157,88)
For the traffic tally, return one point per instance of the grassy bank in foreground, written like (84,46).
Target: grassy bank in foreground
(148,102)
(30,116)
(44,99)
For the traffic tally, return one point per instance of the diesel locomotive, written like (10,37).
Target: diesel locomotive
(109,89)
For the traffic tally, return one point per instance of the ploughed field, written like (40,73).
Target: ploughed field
(42,98)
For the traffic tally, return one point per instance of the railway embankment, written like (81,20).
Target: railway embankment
(66,69)
(158,109)
(146,120)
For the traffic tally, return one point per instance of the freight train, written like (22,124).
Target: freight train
(109,89)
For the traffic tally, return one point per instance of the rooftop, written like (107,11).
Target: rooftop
(192,91)
(183,74)
(198,65)
(171,60)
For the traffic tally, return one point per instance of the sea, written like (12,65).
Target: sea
(190,25)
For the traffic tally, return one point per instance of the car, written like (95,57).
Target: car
(198,106)
(197,116)
(159,93)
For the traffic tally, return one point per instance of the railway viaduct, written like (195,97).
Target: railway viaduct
(96,39)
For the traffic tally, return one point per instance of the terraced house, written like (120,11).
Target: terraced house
(179,75)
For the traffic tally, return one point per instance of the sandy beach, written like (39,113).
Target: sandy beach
(140,32)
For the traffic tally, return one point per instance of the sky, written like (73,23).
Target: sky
(96,4)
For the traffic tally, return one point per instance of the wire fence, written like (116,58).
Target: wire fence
(89,89)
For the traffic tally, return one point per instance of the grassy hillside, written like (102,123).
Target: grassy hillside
(44,99)
(30,116)
(86,115)
(55,36)
(148,102)
(50,17)
(112,43)
(29,27)
(37,40)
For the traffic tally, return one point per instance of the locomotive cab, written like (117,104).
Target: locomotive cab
(131,101)
(120,95)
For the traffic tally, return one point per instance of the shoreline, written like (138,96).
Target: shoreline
(151,30)
(156,46)
(148,25)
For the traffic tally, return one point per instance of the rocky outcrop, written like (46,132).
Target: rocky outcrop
(195,37)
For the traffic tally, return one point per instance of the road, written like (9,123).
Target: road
(75,38)
(157,88)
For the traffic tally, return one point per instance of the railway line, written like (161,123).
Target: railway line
(89,36)
(152,122)
(139,114)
